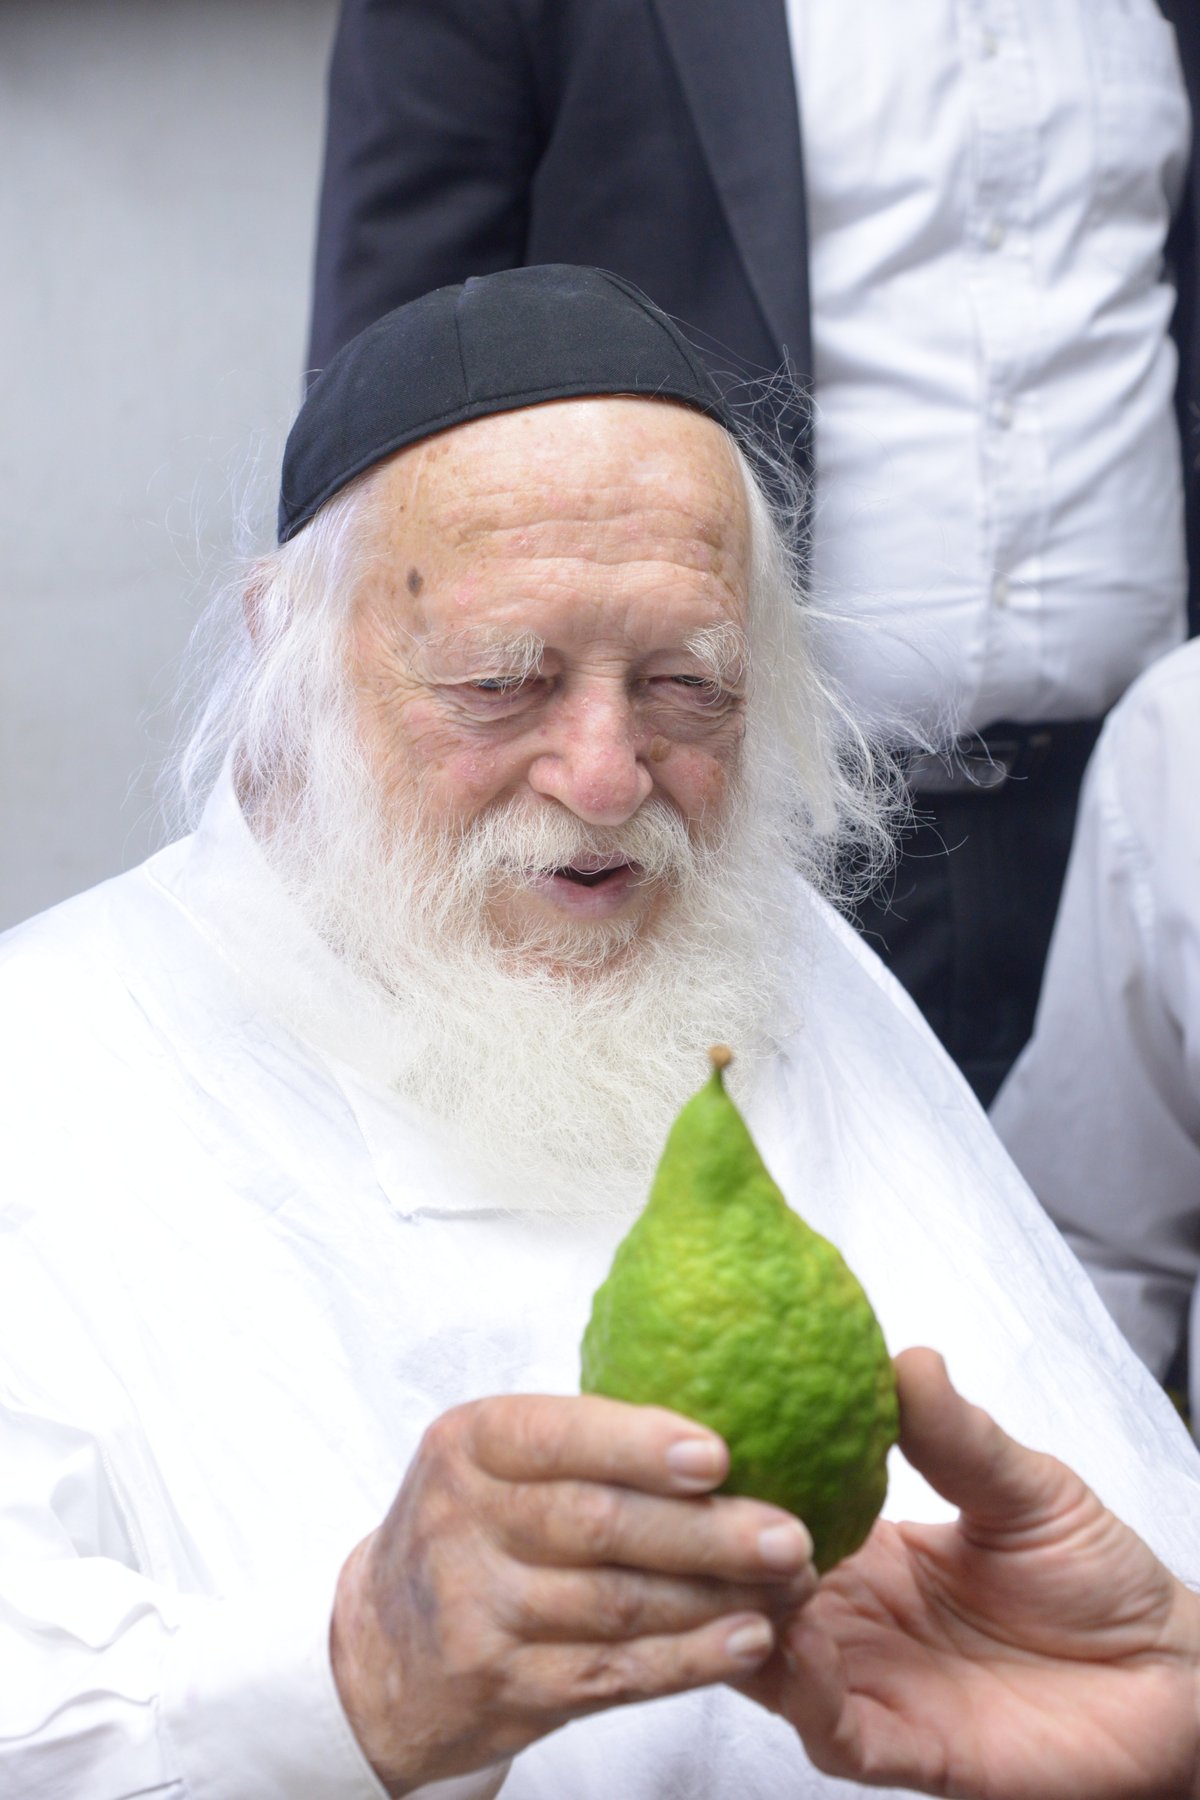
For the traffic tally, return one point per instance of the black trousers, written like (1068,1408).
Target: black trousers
(964,920)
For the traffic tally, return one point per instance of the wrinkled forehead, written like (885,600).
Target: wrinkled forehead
(614,482)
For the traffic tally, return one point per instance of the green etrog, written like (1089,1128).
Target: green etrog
(722,1304)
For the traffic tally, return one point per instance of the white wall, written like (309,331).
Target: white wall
(160,164)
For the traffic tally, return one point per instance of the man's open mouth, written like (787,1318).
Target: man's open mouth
(593,871)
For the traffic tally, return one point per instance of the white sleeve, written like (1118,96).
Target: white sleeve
(115,1686)
(1102,1111)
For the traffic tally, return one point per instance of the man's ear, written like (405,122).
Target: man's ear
(252,600)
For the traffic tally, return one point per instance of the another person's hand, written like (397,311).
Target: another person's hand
(1036,1649)
(545,1558)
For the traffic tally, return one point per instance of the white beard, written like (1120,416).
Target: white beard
(554,1065)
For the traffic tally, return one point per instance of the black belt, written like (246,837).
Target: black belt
(985,761)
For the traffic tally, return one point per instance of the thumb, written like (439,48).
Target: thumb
(969,1459)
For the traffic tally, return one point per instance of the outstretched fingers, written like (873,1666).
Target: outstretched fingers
(848,1734)
(970,1460)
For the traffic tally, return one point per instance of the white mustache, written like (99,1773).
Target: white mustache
(515,841)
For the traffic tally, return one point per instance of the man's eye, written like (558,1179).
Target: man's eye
(702,690)
(495,691)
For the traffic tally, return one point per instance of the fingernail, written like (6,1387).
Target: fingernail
(785,1546)
(750,1642)
(696,1461)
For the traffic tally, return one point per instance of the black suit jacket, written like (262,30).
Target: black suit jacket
(656,138)
(1184,251)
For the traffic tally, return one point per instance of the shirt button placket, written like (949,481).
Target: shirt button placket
(997,66)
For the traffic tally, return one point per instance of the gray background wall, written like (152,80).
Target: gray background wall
(160,163)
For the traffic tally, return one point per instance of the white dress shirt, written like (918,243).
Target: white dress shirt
(1102,1111)
(998,499)
(238,1280)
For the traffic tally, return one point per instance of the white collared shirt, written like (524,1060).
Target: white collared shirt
(238,1280)
(1102,1110)
(999,512)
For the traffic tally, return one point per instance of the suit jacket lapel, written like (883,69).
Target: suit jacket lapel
(735,66)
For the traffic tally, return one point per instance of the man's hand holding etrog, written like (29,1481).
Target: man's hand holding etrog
(546,1558)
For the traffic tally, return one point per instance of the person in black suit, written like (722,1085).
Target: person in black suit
(698,149)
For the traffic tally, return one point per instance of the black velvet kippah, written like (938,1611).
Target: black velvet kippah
(491,345)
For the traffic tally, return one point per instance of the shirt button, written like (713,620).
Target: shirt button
(989,43)
(1003,412)
(993,237)
(1000,590)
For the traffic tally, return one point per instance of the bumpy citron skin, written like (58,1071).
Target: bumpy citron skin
(725,1306)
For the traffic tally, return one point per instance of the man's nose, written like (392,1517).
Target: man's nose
(590,762)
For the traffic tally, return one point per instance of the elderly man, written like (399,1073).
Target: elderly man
(321,1128)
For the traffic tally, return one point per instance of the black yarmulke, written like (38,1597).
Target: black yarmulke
(491,345)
